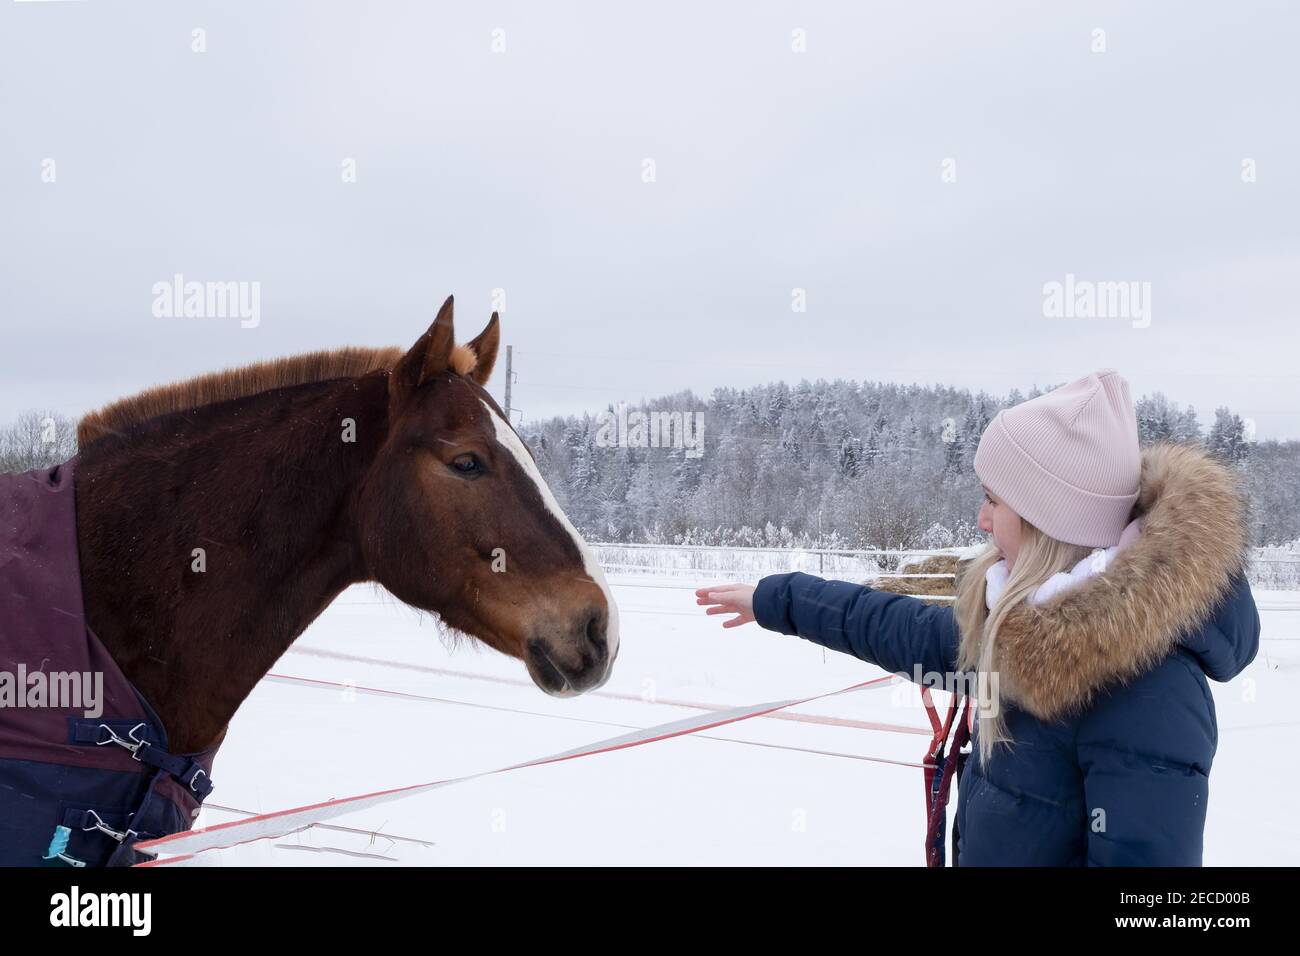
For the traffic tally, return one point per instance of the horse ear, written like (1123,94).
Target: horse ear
(429,355)
(485,347)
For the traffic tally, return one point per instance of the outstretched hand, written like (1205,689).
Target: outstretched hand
(737,599)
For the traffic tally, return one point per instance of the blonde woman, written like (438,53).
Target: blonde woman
(1112,588)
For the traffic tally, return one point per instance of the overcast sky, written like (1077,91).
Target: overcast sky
(524,169)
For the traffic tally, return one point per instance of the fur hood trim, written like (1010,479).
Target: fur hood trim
(1053,658)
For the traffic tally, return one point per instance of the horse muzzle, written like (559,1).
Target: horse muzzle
(570,660)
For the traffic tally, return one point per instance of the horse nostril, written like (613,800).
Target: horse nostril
(596,621)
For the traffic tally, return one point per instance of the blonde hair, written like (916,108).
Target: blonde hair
(1040,556)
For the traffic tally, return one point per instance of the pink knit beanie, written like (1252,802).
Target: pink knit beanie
(1068,461)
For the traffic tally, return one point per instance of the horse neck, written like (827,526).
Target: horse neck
(266,487)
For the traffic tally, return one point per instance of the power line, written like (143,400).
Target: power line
(1065,374)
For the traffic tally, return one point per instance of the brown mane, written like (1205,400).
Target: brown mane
(245,380)
(233,383)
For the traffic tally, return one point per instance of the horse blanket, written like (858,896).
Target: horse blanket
(85,772)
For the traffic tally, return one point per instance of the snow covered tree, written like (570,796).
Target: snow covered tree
(1227,437)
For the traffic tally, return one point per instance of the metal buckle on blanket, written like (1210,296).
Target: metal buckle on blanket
(135,744)
(102,827)
(195,779)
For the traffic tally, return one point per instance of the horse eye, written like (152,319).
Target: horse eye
(466,464)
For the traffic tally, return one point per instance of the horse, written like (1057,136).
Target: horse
(217,517)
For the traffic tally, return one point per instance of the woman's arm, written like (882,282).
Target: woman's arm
(893,631)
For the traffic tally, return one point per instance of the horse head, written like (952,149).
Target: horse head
(454,517)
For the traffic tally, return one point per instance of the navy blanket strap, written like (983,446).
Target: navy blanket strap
(85,770)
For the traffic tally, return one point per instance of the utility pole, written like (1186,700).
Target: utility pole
(509,376)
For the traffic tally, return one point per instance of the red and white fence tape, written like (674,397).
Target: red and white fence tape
(281,822)
(603,694)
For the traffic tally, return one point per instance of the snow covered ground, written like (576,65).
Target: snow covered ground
(329,723)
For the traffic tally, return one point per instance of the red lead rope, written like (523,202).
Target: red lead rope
(940,771)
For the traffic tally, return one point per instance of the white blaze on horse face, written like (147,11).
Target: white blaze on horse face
(512,443)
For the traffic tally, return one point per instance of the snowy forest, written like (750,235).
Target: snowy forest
(845,465)
(832,464)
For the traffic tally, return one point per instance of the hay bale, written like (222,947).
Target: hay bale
(948,564)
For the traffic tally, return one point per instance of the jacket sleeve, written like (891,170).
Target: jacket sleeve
(894,631)
(1146,769)
(1228,640)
